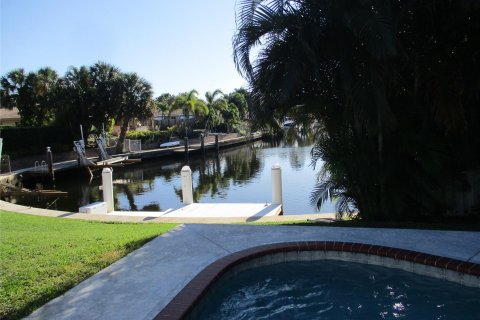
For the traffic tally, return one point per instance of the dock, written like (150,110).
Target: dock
(195,148)
(165,217)
(246,211)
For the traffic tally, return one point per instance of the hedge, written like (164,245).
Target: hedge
(148,135)
(22,141)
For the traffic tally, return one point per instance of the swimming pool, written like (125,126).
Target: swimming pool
(326,289)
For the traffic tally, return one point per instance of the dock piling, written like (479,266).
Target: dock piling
(107,183)
(202,143)
(186,147)
(277,184)
(50,163)
(217,144)
(187,185)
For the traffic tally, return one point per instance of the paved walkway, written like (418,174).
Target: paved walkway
(142,283)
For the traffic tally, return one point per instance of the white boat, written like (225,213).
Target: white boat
(288,124)
(171,143)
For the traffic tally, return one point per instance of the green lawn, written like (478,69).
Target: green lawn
(41,257)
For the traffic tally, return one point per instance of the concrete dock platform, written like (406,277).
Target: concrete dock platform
(264,214)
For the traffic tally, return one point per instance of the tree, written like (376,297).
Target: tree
(164,103)
(33,94)
(136,102)
(238,98)
(108,90)
(76,100)
(190,104)
(216,103)
(389,83)
(231,116)
(13,89)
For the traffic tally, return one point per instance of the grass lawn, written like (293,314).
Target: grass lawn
(41,257)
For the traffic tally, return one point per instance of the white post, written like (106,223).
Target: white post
(277,184)
(107,183)
(81,132)
(187,186)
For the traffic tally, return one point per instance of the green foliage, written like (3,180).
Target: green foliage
(21,141)
(149,135)
(44,257)
(135,101)
(393,86)
(33,94)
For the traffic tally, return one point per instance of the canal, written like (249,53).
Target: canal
(241,174)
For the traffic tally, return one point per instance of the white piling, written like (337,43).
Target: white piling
(107,183)
(187,186)
(277,184)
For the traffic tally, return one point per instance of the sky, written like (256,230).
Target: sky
(176,45)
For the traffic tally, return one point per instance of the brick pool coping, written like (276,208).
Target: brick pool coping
(191,294)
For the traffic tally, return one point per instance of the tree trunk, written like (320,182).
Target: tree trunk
(123,134)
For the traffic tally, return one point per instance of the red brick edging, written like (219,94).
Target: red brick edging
(184,301)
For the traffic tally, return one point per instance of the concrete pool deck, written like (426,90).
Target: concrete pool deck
(141,284)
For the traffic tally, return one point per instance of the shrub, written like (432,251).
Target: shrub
(23,141)
(148,135)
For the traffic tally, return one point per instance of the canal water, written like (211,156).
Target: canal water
(241,174)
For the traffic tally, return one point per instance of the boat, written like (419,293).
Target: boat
(173,142)
(288,124)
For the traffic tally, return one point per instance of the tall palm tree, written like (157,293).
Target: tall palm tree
(325,58)
(12,87)
(390,83)
(165,105)
(136,103)
(216,103)
(190,105)
(76,99)
(33,94)
(106,80)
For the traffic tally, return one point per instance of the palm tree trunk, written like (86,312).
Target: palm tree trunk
(123,134)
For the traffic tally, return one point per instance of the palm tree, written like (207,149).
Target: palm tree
(12,87)
(389,82)
(136,102)
(106,81)
(76,99)
(190,104)
(216,103)
(165,104)
(312,58)
(33,94)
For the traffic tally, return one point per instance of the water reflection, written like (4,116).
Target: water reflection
(235,175)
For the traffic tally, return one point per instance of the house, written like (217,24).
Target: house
(164,120)
(9,117)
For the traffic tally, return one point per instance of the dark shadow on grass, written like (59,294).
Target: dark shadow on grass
(453,226)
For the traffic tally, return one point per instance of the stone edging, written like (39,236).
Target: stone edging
(184,301)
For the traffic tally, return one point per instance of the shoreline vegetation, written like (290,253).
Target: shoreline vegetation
(43,257)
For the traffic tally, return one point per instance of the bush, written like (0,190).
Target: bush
(148,135)
(23,141)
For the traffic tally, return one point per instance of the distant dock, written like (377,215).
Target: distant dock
(194,149)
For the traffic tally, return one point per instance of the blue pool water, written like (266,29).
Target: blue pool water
(336,290)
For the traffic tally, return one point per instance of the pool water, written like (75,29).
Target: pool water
(336,290)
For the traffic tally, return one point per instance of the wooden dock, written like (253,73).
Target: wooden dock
(144,154)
